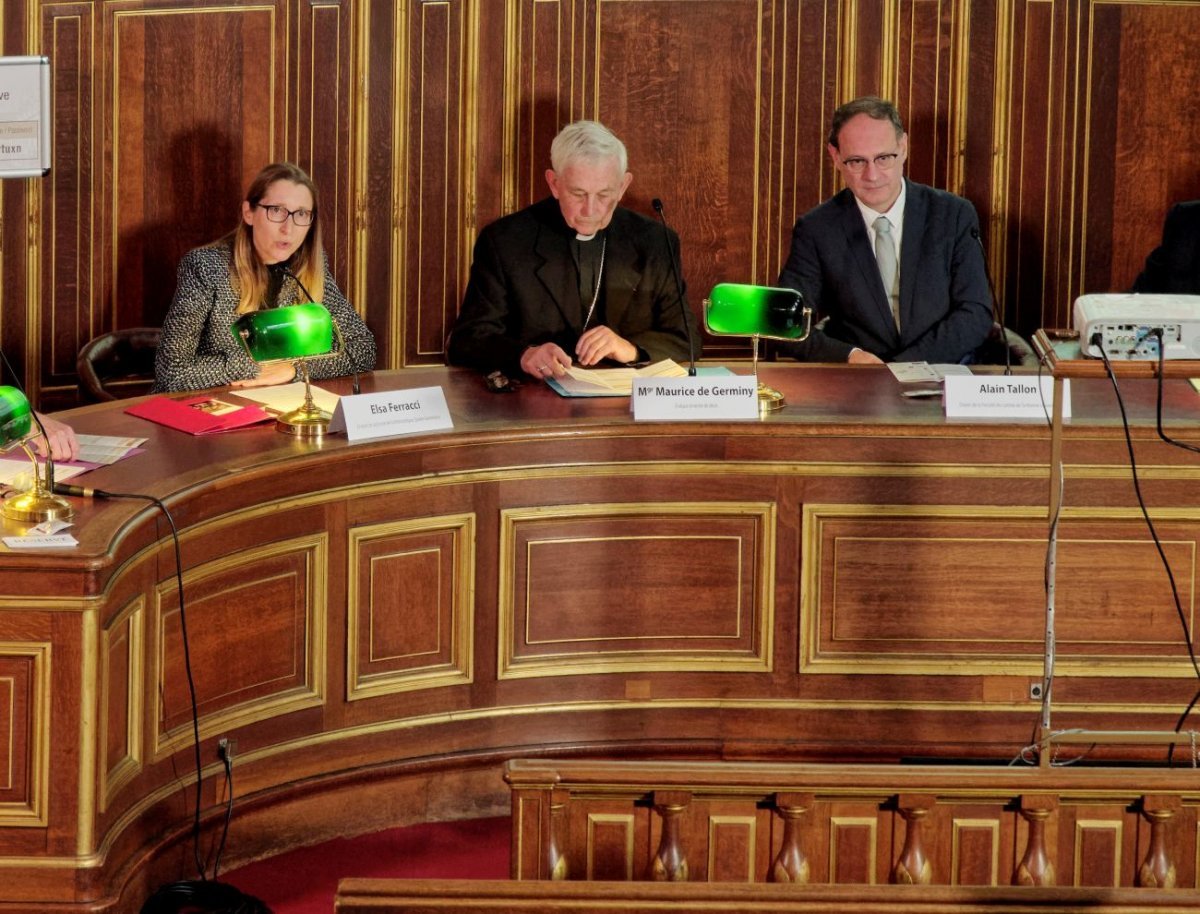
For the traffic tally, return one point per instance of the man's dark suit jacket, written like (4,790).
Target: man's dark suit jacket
(524,289)
(1174,266)
(945,300)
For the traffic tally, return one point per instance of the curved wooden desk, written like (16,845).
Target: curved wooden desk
(379,626)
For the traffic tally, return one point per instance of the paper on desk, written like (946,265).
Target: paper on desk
(612,382)
(282,398)
(19,473)
(105,449)
(923,372)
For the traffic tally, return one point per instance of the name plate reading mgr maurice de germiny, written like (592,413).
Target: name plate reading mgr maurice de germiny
(700,399)
(1003,397)
(392,412)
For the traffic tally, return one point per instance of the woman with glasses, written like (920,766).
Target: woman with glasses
(274,257)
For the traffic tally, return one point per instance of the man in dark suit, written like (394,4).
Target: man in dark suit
(574,276)
(894,268)
(1174,266)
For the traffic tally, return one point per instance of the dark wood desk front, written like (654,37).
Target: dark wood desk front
(379,626)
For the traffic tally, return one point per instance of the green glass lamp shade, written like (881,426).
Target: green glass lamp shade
(733,309)
(291,332)
(15,416)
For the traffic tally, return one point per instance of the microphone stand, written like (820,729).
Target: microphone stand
(995,303)
(687,326)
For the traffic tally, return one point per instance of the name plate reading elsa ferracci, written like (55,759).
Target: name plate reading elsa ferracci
(700,399)
(391,412)
(1003,397)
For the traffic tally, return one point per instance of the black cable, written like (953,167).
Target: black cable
(63,489)
(1157,331)
(227,761)
(1098,341)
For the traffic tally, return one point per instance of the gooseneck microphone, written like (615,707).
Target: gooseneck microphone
(283,268)
(684,309)
(287,271)
(995,303)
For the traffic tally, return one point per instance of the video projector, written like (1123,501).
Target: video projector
(1126,323)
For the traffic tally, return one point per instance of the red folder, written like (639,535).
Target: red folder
(202,415)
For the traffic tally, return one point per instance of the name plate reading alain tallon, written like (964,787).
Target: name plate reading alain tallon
(386,413)
(699,399)
(1003,397)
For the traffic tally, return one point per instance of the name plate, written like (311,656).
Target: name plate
(701,399)
(41,541)
(1003,397)
(391,412)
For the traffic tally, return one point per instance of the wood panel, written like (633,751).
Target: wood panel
(482,896)
(434,163)
(862,826)
(411,605)
(255,628)
(1066,122)
(321,573)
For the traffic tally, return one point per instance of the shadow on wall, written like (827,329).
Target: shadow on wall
(192,197)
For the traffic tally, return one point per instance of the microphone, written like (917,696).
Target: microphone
(995,304)
(286,271)
(63,488)
(282,267)
(687,326)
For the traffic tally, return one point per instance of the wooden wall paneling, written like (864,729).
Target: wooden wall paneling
(545,72)
(433,156)
(685,85)
(802,90)
(1135,133)
(327,137)
(63,210)
(1028,193)
(930,87)
(377,249)
(176,163)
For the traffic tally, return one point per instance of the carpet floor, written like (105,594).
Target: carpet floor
(304,881)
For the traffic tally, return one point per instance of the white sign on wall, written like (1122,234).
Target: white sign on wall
(24,117)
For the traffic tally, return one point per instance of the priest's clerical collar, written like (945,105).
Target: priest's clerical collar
(580,237)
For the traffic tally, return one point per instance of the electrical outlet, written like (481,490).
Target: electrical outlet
(1035,691)
(226,749)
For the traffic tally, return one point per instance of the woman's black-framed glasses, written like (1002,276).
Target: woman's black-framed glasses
(301,217)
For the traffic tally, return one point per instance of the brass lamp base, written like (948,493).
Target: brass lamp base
(769,399)
(307,421)
(37,507)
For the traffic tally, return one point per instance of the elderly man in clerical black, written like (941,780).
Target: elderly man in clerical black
(894,268)
(574,277)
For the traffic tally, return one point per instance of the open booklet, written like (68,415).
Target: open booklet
(611,382)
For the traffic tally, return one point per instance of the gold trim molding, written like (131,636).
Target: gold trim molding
(460,668)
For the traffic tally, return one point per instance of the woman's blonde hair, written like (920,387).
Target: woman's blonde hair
(247,271)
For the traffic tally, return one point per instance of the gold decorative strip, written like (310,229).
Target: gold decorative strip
(621,820)
(510,666)
(718,823)
(998,663)
(958,827)
(310,694)
(1097,826)
(33,813)
(460,668)
(836,824)
(130,624)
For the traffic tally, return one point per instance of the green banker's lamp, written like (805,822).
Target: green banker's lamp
(761,313)
(39,503)
(296,334)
